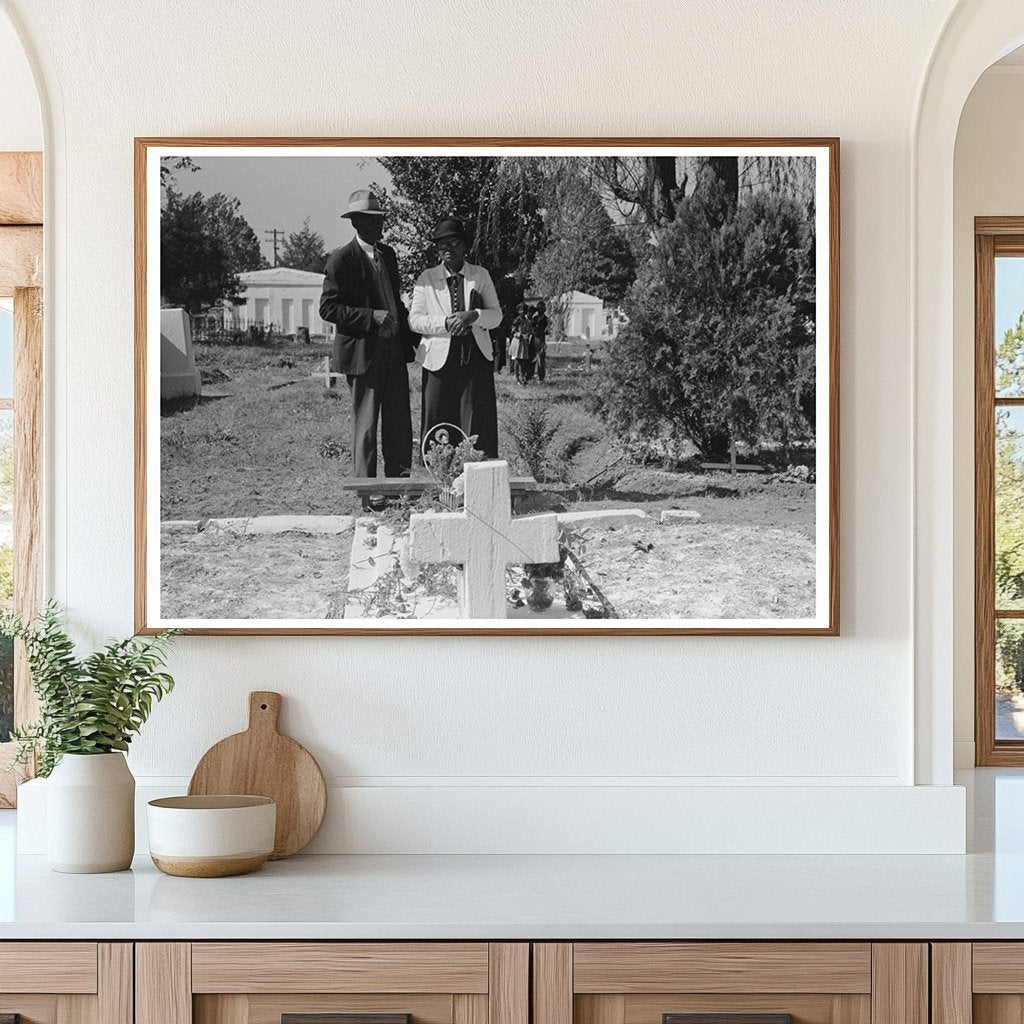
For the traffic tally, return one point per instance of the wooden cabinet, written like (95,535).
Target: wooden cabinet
(757,982)
(499,983)
(979,982)
(66,982)
(306,982)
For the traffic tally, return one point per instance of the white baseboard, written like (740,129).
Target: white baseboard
(572,819)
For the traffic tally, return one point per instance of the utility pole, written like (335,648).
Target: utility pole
(274,233)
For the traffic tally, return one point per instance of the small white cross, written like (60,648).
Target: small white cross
(483,538)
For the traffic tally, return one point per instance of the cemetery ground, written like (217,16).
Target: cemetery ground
(268,440)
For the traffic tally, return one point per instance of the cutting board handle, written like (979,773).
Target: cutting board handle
(264,710)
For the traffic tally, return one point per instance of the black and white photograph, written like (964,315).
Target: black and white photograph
(575,387)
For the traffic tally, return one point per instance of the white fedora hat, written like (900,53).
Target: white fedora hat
(363,201)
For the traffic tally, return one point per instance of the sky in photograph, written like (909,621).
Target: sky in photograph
(1009,293)
(6,354)
(280,192)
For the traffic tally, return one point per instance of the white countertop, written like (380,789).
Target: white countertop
(980,895)
(495,897)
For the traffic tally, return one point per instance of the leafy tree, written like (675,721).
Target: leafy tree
(720,341)
(205,243)
(497,197)
(1010,361)
(649,188)
(170,165)
(1009,508)
(586,252)
(1010,655)
(304,250)
(1009,511)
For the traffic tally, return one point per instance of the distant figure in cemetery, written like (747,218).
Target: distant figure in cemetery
(541,325)
(373,343)
(515,340)
(527,348)
(454,308)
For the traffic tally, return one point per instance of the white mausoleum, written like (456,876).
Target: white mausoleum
(286,298)
(587,318)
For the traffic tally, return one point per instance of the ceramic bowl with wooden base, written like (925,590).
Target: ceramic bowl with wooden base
(211,836)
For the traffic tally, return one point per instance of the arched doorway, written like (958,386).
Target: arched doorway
(977,33)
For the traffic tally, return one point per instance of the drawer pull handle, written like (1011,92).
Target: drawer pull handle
(341,1018)
(10,1018)
(727,1018)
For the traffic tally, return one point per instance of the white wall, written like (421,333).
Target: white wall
(21,126)
(432,715)
(987,181)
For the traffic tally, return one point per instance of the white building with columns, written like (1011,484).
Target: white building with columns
(283,297)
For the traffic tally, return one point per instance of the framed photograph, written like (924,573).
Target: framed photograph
(500,386)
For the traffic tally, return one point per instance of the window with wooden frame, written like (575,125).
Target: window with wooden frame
(21,364)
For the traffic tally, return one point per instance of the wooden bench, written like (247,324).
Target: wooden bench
(413,487)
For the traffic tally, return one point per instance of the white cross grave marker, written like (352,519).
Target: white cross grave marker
(483,538)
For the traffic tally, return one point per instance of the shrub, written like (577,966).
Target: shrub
(720,340)
(532,432)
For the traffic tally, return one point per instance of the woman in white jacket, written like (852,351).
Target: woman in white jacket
(454,308)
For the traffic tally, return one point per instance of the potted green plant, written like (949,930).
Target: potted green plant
(89,710)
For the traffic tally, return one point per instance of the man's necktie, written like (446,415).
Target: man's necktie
(458,299)
(464,339)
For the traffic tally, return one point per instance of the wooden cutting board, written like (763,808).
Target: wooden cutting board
(262,762)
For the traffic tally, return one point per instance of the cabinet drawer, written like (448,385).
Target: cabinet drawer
(66,982)
(66,967)
(332,983)
(980,982)
(634,967)
(730,983)
(340,967)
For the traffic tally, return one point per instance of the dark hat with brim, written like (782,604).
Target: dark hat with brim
(363,201)
(450,228)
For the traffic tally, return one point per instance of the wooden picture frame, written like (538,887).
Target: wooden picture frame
(824,621)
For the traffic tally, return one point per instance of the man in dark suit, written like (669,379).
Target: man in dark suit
(373,343)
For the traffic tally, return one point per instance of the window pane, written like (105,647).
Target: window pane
(1009,323)
(6,562)
(1009,679)
(6,353)
(1009,538)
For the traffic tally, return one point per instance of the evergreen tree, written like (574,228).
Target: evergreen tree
(720,344)
(304,250)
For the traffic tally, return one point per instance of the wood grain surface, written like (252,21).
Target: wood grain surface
(262,762)
(305,967)
(21,258)
(21,188)
(899,990)
(805,1008)
(633,967)
(552,983)
(163,983)
(115,983)
(64,967)
(951,983)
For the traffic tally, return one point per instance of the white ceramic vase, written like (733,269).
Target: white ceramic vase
(90,814)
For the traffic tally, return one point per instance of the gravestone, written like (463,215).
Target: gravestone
(179,377)
(483,539)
